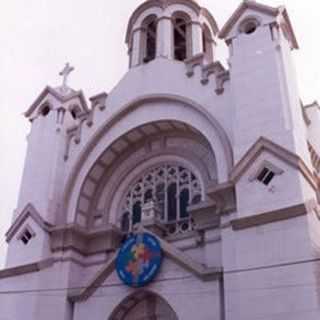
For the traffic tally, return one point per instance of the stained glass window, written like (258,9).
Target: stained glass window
(172,188)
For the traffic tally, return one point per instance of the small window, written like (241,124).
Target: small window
(249,26)
(265,176)
(125,222)
(182,37)
(26,237)
(151,42)
(45,110)
(73,113)
(136,214)
(149,39)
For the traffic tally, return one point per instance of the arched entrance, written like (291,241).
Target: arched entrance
(143,306)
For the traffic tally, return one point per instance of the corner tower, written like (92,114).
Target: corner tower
(260,39)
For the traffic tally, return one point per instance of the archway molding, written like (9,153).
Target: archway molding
(140,112)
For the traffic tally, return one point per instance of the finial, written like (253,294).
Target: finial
(65,74)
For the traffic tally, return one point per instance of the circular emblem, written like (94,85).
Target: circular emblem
(139,260)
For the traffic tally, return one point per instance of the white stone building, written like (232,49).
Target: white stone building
(221,165)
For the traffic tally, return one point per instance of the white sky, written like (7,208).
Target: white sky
(37,37)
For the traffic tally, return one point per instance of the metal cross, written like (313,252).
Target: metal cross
(65,74)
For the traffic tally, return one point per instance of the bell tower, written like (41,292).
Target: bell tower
(171,30)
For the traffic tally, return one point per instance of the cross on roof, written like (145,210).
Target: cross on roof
(65,74)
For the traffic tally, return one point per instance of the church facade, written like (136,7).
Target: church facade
(218,168)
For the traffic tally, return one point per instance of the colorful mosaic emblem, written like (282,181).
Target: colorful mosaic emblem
(139,260)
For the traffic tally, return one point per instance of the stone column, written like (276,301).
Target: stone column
(135,58)
(196,32)
(165,38)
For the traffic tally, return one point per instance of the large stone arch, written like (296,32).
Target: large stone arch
(144,305)
(142,112)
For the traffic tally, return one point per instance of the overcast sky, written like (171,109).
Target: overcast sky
(37,37)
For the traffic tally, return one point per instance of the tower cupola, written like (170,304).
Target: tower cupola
(171,29)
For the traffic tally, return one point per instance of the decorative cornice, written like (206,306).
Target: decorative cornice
(27,268)
(272,216)
(221,75)
(28,211)
(169,250)
(285,155)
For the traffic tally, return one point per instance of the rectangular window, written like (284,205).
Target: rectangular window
(26,237)
(265,176)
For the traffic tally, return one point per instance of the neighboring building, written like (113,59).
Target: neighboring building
(219,165)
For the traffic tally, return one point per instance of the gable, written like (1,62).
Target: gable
(247,8)
(28,212)
(53,96)
(264,14)
(268,146)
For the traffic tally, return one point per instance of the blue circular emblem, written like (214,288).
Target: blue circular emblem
(139,260)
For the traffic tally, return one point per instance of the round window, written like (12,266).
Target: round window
(249,26)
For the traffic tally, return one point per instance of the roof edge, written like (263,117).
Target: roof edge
(241,9)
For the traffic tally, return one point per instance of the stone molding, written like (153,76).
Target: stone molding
(78,239)
(224,196)
(207,215)
(263,144)
(28,211)
(315,158)
(272,216)
(131,106)
(275,12)
(27,268)
(81,263)
(180,258)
